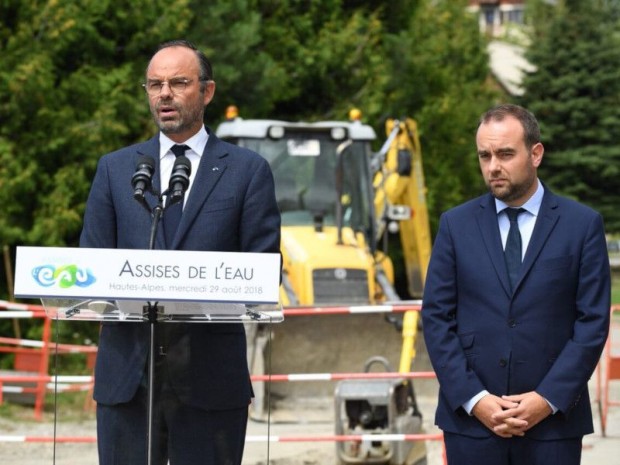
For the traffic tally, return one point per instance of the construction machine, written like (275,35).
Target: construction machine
(343,207)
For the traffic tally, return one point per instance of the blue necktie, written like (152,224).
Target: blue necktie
(512,252)
(172,213)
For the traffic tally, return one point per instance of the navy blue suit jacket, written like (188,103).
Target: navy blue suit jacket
(546,336)
(231,207)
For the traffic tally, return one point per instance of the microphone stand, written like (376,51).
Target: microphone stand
(157,213)
(151,310)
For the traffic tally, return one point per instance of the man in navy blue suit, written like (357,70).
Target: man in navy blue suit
(514,340)
(202,380)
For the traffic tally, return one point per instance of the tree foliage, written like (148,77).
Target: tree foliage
(439,68)
(70,92)
(70,85)
(315,60)
(575,93)
(70,89)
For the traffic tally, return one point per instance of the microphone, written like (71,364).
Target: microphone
(141,179)
(179,179)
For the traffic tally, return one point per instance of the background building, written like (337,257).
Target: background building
(496,15)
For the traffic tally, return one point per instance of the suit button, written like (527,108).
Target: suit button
(512,323)
(503,362)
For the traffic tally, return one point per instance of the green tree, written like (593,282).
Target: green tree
(575,93)
(246,75)
(439,75)
(70,91)
(291,59)
(315,60)
(70,85)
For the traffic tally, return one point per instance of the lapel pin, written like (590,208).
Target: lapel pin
(215,168)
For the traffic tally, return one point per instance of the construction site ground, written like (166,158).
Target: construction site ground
(308,416)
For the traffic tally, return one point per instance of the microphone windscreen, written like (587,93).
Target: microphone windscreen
(145,161)
(183,162)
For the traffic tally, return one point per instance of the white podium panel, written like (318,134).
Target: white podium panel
(151,286)
(119,284)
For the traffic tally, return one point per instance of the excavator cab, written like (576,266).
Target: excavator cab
(324,189)
(304,160)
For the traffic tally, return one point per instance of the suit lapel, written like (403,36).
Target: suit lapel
(489,231)
(545,222)
(210,170)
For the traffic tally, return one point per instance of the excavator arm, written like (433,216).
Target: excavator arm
(400,198)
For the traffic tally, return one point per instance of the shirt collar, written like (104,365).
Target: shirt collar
(532,205)
(197,143)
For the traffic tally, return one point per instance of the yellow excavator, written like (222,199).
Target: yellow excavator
(351,216)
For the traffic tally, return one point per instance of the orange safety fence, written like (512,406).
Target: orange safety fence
(608,370)
(288,312)
(367,437)
(31,359)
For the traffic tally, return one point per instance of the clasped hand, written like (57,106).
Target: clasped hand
(509,416)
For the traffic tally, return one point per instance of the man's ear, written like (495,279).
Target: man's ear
(209,92)
(538,151)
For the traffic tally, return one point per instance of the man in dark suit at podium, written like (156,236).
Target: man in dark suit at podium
(202,384)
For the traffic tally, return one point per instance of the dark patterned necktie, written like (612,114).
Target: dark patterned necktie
(172,213)
(513,252)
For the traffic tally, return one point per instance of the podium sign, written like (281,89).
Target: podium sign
(154,275)
(177,286)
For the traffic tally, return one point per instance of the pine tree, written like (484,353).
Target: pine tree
(575,93)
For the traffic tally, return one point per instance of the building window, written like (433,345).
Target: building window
(514,16)
(489,16)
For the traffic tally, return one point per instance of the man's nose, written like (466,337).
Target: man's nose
(165,91)
(494,164)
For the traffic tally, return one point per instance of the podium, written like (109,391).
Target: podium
(151,287)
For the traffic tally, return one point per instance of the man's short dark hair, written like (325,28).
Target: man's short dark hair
(531,130)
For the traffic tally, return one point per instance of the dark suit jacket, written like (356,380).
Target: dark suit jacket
(231,207)
(547,336)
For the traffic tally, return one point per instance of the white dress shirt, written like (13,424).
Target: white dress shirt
(196,143)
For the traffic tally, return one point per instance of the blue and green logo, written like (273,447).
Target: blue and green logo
(64,276)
